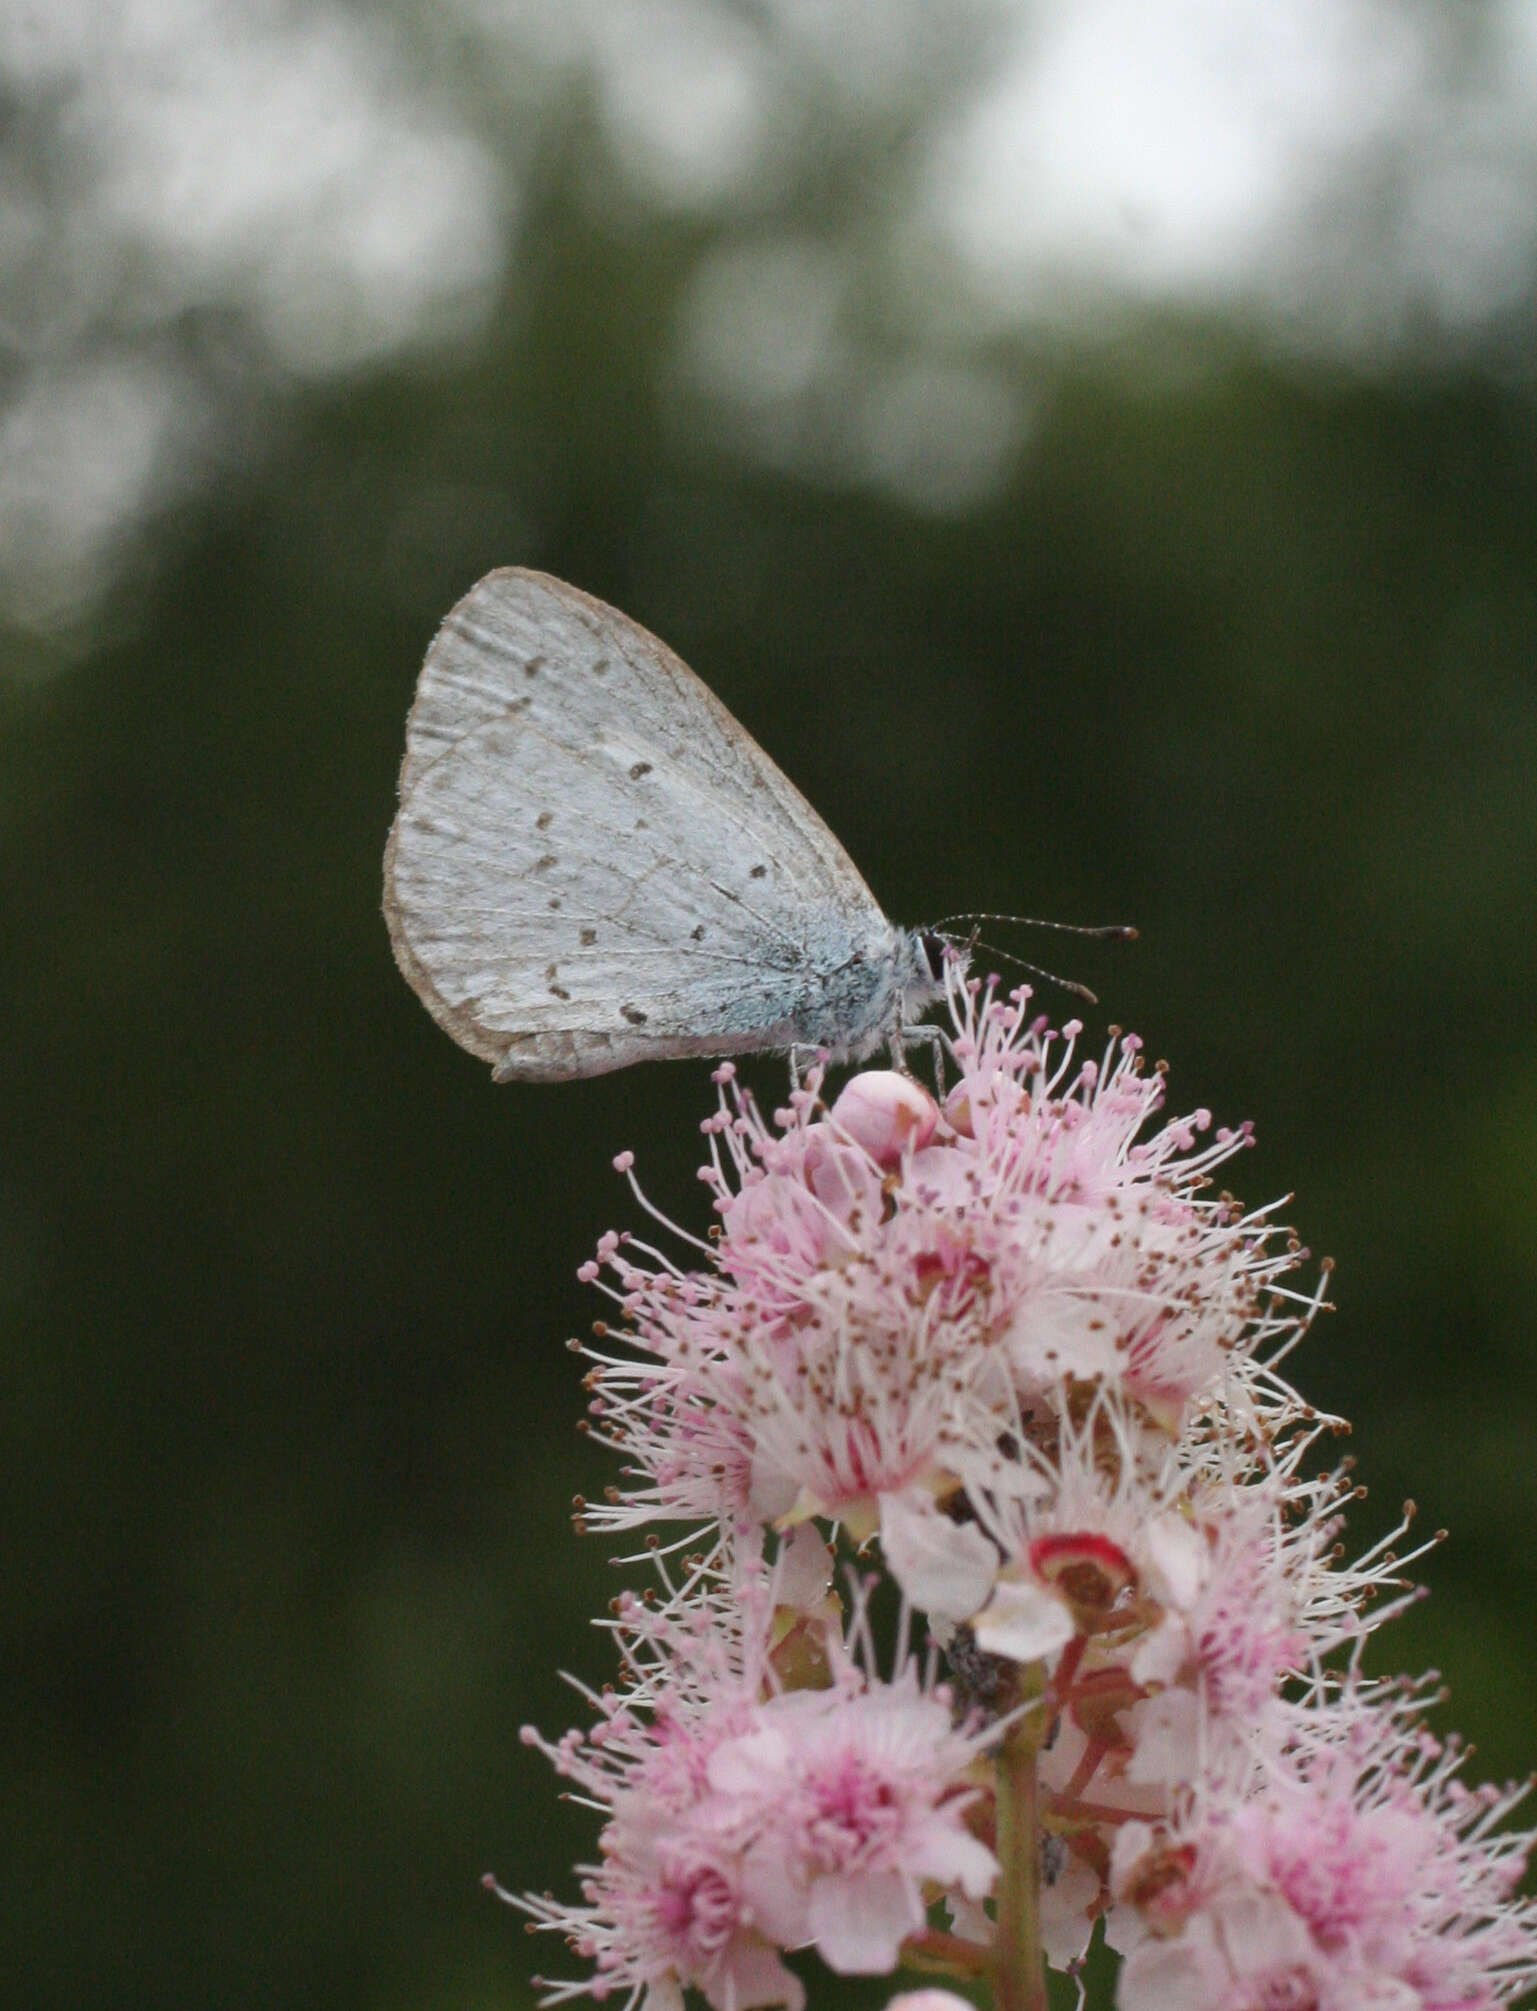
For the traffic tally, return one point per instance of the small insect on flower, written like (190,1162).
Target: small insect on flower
(593,864)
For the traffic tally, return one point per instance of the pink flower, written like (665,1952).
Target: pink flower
(1094,1538)
(680,1918)
(663,1909)
(928,2000)
(741,1820)
(853,1802)
(1348,1868)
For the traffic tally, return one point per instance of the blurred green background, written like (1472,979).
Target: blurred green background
(1094,450)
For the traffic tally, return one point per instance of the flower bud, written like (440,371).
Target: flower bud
(887,1114)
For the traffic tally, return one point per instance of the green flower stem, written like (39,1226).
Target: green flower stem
(1019,1971)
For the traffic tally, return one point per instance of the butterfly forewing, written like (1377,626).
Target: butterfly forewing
(524,642)
(593,862)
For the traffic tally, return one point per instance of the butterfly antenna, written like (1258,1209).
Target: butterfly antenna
(1117,932)
(974,942)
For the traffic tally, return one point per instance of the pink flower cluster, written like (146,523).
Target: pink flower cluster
(1345,1866)
(744,1816)
(1009,1345)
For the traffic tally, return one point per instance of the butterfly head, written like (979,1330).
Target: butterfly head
(933,960)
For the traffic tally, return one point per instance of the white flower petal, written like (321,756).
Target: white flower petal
(859,1921)
(1371,1993)
(751,1764)
(1133,1841)
(1186,1974)
(1065,1903)
(1179,1559)
(929,2000)
(1024,1622)
(771,1493)
(946,1569)
(752,1975)
(663,1993)
(804,1569)
(950,1855)
(1166,1735)
(1259,1931)
(969,1921)
(1159,1656)
(774,1897)
(1060,1333)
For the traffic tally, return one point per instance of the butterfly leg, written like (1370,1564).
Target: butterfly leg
(814,1055)
(931,1037)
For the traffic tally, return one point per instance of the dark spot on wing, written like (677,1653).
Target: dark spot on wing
(543,864)
(641,768)
(634,1015)
(589,937)
(560,992)
(757,872)
(555,903)
(600,665)
(641,824)
(552,970)
(697,932)
(544,820)
(533,667)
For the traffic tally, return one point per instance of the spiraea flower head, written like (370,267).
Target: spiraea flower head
(1005,1343)
(897,1283)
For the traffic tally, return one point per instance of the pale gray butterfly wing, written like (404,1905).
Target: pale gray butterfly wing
(574,666)
(594,864)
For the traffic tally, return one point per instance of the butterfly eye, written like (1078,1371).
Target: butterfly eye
(933,948)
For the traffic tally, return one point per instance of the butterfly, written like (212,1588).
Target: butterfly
(594,864)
